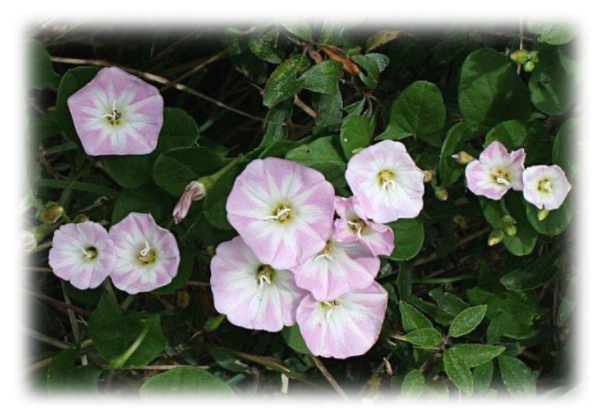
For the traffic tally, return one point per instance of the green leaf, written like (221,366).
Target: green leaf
(356,133)
(424,337)
(412,319)
(551,33)
(413,384)
(275,129)
(185,381)
(525,240)
(393,132)
(373,65)
(146,199)
(176,168)
(337,23)
(216,199)
(490,91)
(569,301)
(556,222)
(131,171)
(514,134)
(564,144)
(227,359)
(467,320)
(132,340)
(448,302)
(294,339)
(71,82)
(482,377)
(517,377)
(184,272)
(63,376)
(213,323)
(42,74)
(322,78)
(409,235)
(420,110)
(436,391)
(475,355)
(329,112)
(298,28)
(458,372)
(283,83)
(264,49)
(457,136)
(550,85)
(322,156)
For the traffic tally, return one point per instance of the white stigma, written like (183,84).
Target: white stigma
(279,214)
(502,180)
(145,250)
(263,278)
(547,186)
(358,227)
(87,254)
(389,182)
(324,255)
(330,306)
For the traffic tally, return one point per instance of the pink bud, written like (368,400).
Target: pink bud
(193,192)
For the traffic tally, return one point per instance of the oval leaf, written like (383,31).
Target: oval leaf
(467,320)
(185,380)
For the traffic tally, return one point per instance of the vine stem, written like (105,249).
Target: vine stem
(330,378)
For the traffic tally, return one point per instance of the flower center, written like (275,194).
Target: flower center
(357,226)
(501,177)
(282,214)
(115,118)
(387,179)
(329,306)
(89,252)
(326,252)
(147,255)
(545,186)
(265,275)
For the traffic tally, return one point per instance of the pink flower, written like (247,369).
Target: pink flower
(339,268)
(283,211)
(546,187)
(193,192)
(353,226)
(117,114)
(386,182)
(345,327)
(148,256)
(82,254)
(252,294)
(496,171)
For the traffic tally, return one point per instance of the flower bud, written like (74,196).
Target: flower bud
(533,56)
(463,157)
(28,240)
(509,225)
(211,250)
(193,192)
(441,193)
(80,218)
(542,214)
(520,57)
(529,66)
(460,220)
(495,237)
(51,213)
(427,176)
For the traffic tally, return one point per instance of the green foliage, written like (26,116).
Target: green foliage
(467,320)
(518,378)
(64,375)
(549,84)
(42,74)
(413,384)
(284,82)
(294,339)
(322,155)
(408,238)
(185,380)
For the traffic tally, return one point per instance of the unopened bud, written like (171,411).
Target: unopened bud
(460,221)
(495,237)
(51,213)
(463,157)
(509,225)
(510,230)
(211,250)
(193,192)
(427,176)
(543,214)
(529,66)
(533,56)
(520,57)
(357,150)
(441,193)
(28,241)
(80,218)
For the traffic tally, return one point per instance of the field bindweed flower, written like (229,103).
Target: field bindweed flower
(546,187)
(353,226)
(117,114)
(148,256)
(283,211)
(250,293)
(345,327)
(82,254)
(339,268)
(496,171)
(194,192)
(386,182)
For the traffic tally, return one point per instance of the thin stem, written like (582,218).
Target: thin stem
(441,280)
(330,378)
(45,339)
(55,302)
(120,361)
(306,108)
(197,68)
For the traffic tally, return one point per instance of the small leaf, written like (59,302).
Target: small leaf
(42,74)
(413,384)
(381,38)
(467,320)
(550,84)
(263,49)
(482,377)
(517,377)
(373,65)
(216,199)
(275,129)
(412,319)
(146,199)
(213,323)
(475,355)
(300,29)
(322,156)
(458,372)
(551,33)
(356,133)
(185,380)
(409,235)
(322,78)
(283,83)
(294,339)
(457,136)
(564,144)
(329,112)
(64,376)
(424,337)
